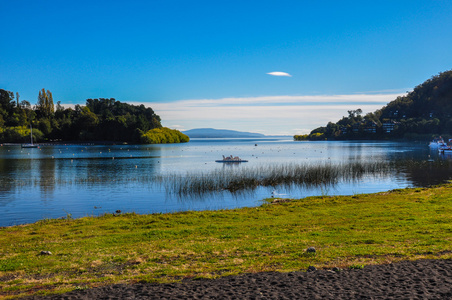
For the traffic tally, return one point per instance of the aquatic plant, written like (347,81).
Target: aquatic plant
(283,175)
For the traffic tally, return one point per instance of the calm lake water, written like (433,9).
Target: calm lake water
(77,180)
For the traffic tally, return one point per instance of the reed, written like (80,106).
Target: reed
(282,175)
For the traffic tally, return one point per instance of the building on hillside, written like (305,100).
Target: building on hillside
(370,127)
(388,126)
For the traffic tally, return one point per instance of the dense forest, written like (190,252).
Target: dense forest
(421,114)
(105,120)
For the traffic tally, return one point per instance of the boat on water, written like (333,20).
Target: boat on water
(31,145)
(445,148)
(437,143)
(231,159)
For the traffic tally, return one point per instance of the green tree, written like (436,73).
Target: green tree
(6,105)
(45,103)
(45,126)
(87,120)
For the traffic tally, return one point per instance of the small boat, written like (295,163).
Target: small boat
(31,145)
(231,159)
(445,148)
(437,143)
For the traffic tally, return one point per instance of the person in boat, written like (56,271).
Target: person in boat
(231,158)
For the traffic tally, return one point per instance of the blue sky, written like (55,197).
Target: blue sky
(205,63)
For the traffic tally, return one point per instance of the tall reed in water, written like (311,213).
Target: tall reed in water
(249,178)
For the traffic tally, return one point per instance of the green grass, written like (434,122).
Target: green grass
(347,232)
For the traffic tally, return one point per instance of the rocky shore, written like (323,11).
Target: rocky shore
(422,279)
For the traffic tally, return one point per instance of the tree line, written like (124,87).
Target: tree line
(421,114)
(100,119)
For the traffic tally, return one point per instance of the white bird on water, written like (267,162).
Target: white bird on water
(275,194)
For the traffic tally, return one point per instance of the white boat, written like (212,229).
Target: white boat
(31,145)
(231,159)
(437,143)
(445,148)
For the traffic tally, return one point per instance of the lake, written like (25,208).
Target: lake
(88,180)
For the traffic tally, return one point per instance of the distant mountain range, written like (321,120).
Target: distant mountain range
(220,133)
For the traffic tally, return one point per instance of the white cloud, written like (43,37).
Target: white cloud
(280,100)
(279,74)
(266,114)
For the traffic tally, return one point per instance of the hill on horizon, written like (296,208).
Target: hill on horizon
(220,133)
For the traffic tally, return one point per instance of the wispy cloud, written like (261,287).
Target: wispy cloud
(267,114)
(279,74)
(390,91)
(281,100)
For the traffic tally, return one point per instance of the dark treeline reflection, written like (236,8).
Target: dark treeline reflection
(46,171)
(47,174)
(426,172)
(9,168)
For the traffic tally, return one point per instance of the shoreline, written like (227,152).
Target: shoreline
(353,233)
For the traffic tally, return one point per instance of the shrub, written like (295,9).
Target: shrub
(20,134)
(163,135)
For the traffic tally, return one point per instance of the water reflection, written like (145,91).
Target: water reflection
(81,180)
(46,174)
(428,172)
(49,167)
(7,180)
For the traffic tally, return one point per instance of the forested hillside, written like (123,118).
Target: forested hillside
(421,114)
(99,120)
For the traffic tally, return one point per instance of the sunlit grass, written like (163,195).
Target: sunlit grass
(347,231)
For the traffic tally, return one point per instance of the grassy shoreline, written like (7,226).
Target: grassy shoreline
(347,231)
